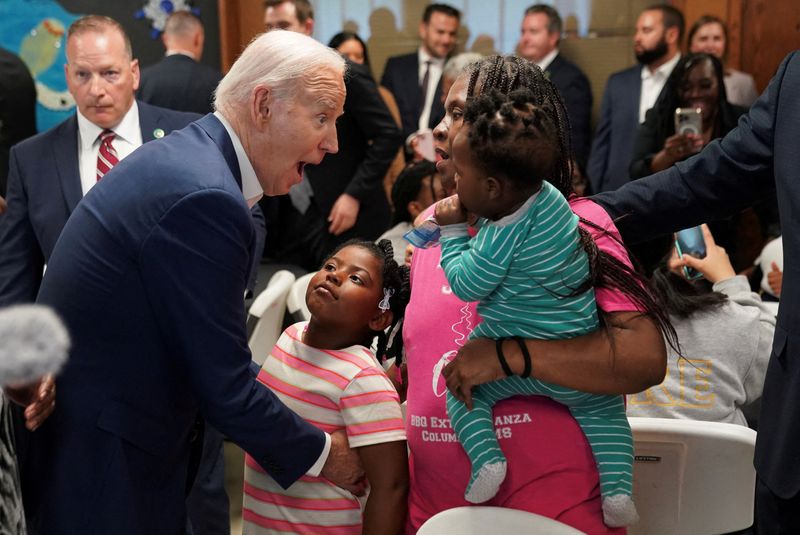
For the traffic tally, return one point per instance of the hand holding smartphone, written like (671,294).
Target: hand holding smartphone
(690,241)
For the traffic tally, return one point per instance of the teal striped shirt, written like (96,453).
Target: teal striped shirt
(522,269)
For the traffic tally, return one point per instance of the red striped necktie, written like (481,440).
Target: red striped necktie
(107,157)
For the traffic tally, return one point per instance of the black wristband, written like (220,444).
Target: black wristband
(525,355)
(498,344)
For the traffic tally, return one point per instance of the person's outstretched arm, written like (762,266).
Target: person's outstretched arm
(627,357)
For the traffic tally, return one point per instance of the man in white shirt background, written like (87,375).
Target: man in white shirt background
(415,79)
(631,92)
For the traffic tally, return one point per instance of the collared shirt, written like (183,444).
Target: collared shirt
(128,139)
(252,192)
(547,60)
(251,187)
(652,84)
(435,73)
(174,51)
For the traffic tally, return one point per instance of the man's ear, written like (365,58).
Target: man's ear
(261,105)
(308,26)
(671,35)
(494,187)
(381,320)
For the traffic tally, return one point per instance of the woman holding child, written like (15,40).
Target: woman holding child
(551,470)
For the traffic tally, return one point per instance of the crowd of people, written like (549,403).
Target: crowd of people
(153,207)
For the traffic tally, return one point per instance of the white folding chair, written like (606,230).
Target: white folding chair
(296,303)
(692,476)
(494,520)
(269,308)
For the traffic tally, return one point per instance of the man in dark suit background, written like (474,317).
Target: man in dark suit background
(754,161)
(631,92)
(17,110)
(343,197)
(49,175)
(180,81)
(538,43)
(148,275)
(415,79)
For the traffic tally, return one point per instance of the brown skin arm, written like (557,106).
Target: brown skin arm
(627,358)
(386,466)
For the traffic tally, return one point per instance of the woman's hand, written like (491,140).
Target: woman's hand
(676,148)
(716,266)
(450,211)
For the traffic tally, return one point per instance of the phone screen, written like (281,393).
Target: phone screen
(690,241)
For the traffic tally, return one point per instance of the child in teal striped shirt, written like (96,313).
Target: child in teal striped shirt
(528,268)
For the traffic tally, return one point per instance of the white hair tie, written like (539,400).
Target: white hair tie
(384,304)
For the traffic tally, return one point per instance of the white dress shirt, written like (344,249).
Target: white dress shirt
(547,60)
(128,139)
(652,84)
(435,73)
(252,192)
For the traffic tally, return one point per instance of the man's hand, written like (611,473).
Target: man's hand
(39,400)
(475,364)
(450,211)
(343,214)
(343,466)
(3,204)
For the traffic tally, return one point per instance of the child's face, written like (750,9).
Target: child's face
(345,293)
(470,181)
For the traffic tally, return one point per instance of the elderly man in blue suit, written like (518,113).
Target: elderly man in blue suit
(149,274)
(631,92)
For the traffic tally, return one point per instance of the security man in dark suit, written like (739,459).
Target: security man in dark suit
(538,43)
(179,81)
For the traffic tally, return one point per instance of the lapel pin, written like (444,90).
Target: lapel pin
(158,133)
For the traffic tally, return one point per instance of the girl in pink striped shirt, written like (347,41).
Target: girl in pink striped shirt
(324,370)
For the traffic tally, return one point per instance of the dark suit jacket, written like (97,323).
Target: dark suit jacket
(179,83)
(148,275)
(577,93)
(613,140)
(401,77)
(368,142)
(747,165)
(44,187)
(17,108)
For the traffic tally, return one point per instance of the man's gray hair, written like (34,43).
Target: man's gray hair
(459,63)
(278,59)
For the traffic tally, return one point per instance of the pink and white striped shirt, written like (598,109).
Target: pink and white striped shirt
(332,389)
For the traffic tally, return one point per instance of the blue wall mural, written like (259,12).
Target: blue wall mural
(35,30)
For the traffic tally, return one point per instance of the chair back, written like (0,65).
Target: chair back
(494,520)
(268,309)
(296,303)
(692,476)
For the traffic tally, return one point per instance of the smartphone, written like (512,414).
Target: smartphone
(689,121)
(690,241)
(425,144)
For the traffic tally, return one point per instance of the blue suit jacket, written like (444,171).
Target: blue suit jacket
(401,77)
(747,165)
(148,275)
(44,187)
(577,94)
(613,141)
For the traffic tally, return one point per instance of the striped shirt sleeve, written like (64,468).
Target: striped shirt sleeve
(370,408)
(475,268)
